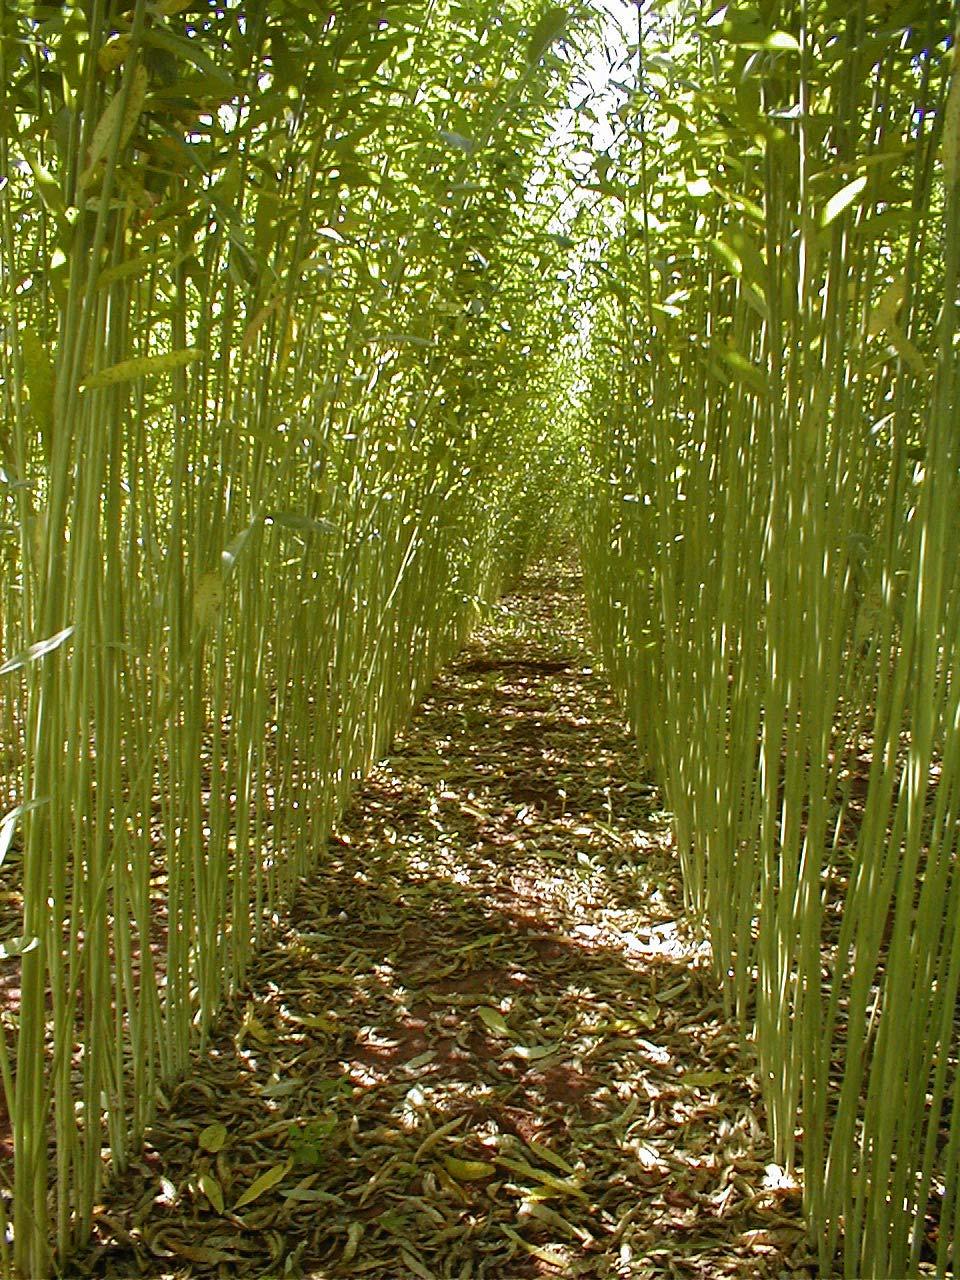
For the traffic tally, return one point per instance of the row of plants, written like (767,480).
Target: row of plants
(281,332)
(771,423)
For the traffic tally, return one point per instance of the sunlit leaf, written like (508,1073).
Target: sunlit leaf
(842,200)
(36,651)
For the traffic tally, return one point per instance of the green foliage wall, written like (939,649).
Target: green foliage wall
(770,416)
(278,343)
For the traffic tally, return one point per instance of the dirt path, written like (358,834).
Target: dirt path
(483,1046)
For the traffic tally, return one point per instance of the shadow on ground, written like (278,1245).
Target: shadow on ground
(483,1045)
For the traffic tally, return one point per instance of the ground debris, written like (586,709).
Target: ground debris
(485,1043)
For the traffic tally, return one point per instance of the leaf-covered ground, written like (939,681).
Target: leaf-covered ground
(484,1045)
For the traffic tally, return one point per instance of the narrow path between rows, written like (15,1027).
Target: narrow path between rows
(484,1045)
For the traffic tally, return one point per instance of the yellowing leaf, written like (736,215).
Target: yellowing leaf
(906,350)
(745,370)
(118,121)
(524,1170)
(212,1190)
(493,1021)
(264,1183)
(141,367)
(468,1170)
(130,267)
(257,323)
(38,373)
(317,1021)
(112,54)
(212,1138)
(884,314)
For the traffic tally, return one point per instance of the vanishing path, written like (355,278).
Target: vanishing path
(482,1047)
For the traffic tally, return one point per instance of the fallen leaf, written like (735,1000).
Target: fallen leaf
(264,1183)
(494,1021)
(416,1266)
(468,1170)
(212,1138)
(706,1079)
(551,1157)
(212,1190)
(536,1250)
(534,1052)
(550,1180)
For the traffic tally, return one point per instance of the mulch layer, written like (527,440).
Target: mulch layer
(484,1044)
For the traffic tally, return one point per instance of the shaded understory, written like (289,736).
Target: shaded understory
(484,1044)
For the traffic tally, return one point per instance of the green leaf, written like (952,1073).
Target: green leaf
(459,141)
(201,1253)
(231,552)
(551,1157)
(212,1190)
(264,1183)
(395,339)
(494,1022)
(707,1079)
(311,1195)
(212,1138)
(47,186)
(282,1088)
(550,27)
(191,51)
(413,1264)
(18,946)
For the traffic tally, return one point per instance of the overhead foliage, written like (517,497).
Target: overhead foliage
(771,412)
